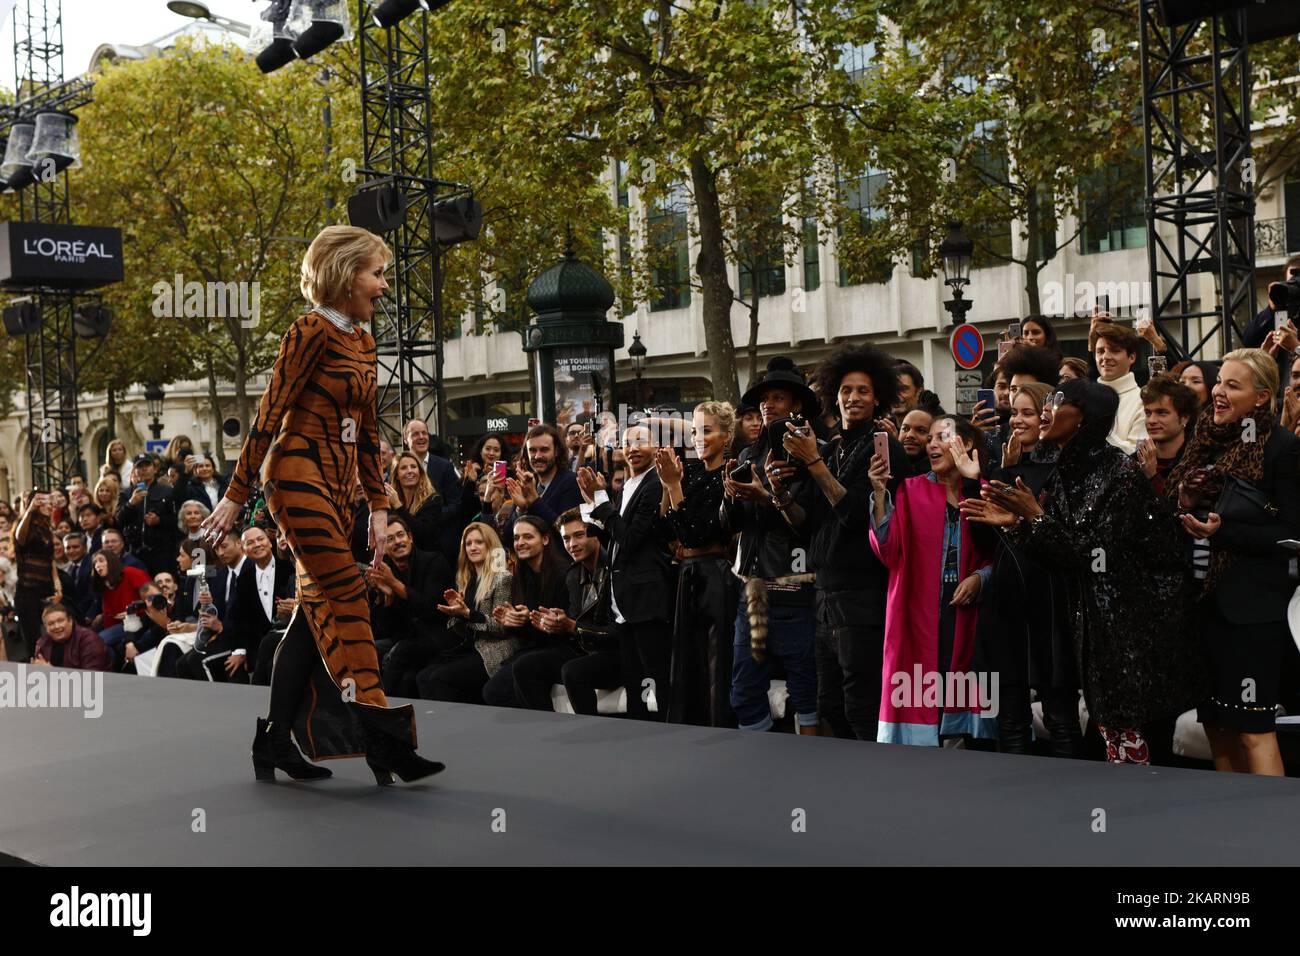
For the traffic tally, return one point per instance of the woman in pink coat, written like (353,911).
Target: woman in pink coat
(938,566)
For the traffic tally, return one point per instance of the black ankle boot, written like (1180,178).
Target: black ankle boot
(388,754)
(274,750)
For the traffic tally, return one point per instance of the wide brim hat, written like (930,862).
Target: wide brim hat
(789,379)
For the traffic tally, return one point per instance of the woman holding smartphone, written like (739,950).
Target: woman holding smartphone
(1023,626)
(1117,547)
(1237,486)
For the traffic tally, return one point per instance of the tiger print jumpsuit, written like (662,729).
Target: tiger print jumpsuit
(317,432)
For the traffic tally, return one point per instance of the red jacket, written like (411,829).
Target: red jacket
(84,650)
(127,590)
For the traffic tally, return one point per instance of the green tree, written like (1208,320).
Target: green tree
(216,174)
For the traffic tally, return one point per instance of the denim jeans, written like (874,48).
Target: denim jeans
(790,639)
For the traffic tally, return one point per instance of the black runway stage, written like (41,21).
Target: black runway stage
(528,788)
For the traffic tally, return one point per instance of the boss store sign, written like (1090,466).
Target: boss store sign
(71,257)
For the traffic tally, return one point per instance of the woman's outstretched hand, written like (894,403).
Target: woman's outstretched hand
(221,520)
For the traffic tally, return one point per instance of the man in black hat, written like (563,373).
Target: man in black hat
(146,515)
(862,383)
(775,620)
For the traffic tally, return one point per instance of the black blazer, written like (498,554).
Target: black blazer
(251,622)
(1256,586)
(639,566)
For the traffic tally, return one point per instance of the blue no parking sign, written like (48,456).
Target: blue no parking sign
(967,346)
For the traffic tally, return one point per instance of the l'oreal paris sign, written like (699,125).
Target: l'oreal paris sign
(64,250)
(60,256)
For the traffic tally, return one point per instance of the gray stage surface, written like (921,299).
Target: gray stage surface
(124,789)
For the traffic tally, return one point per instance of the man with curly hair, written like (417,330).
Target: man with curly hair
(862,383)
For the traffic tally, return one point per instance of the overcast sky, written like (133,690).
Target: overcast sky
(88,23)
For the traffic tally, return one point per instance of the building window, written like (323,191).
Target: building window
(993,238)
(669,240)
(761,254)
(812,267)
(1112,213)
(861,201)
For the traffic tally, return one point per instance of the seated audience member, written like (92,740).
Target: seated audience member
(190,517)
(538,582)
(90,518)
(113,541)
(77,592)
(587,620)
(413,498)
(65,643)
(264,594)
(403,611)
(155,623)
(166,582)
(212,657)
(483,583)
(116,586)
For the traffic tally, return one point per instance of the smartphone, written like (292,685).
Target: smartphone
(141,487)
(777,431)
(1103,303)
(1004,346)
(1013,331)
(1157,365)
(499,470)
(1280,320)
(882,448)
(743,473)
(1142,324)
(590,426)
(988,397)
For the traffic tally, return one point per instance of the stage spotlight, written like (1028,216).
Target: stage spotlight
(91,321)
(457,220)
(318,23)
(391,12)
(379,209)
(273,30)
(55,139)
(22,317)
(16,170)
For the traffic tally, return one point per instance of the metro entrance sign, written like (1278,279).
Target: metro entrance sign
(967,346)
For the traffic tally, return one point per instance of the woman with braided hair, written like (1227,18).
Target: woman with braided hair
(1237,487)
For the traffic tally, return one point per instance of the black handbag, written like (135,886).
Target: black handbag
(1244,502)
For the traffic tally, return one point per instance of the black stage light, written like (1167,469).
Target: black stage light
(457,220)
(319,23)
(379,209)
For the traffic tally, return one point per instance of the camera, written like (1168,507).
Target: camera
(158,602)
(1285,296)
(137,607)
(777,431)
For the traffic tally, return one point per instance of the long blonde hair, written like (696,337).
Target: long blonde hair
(423,488)
(464,569)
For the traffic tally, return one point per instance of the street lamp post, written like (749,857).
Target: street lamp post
(153,399)
(637,352)
(955,251)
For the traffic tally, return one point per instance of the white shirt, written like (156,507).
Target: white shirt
(1130,419)
(266,587)
(600,497)
(214,492)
